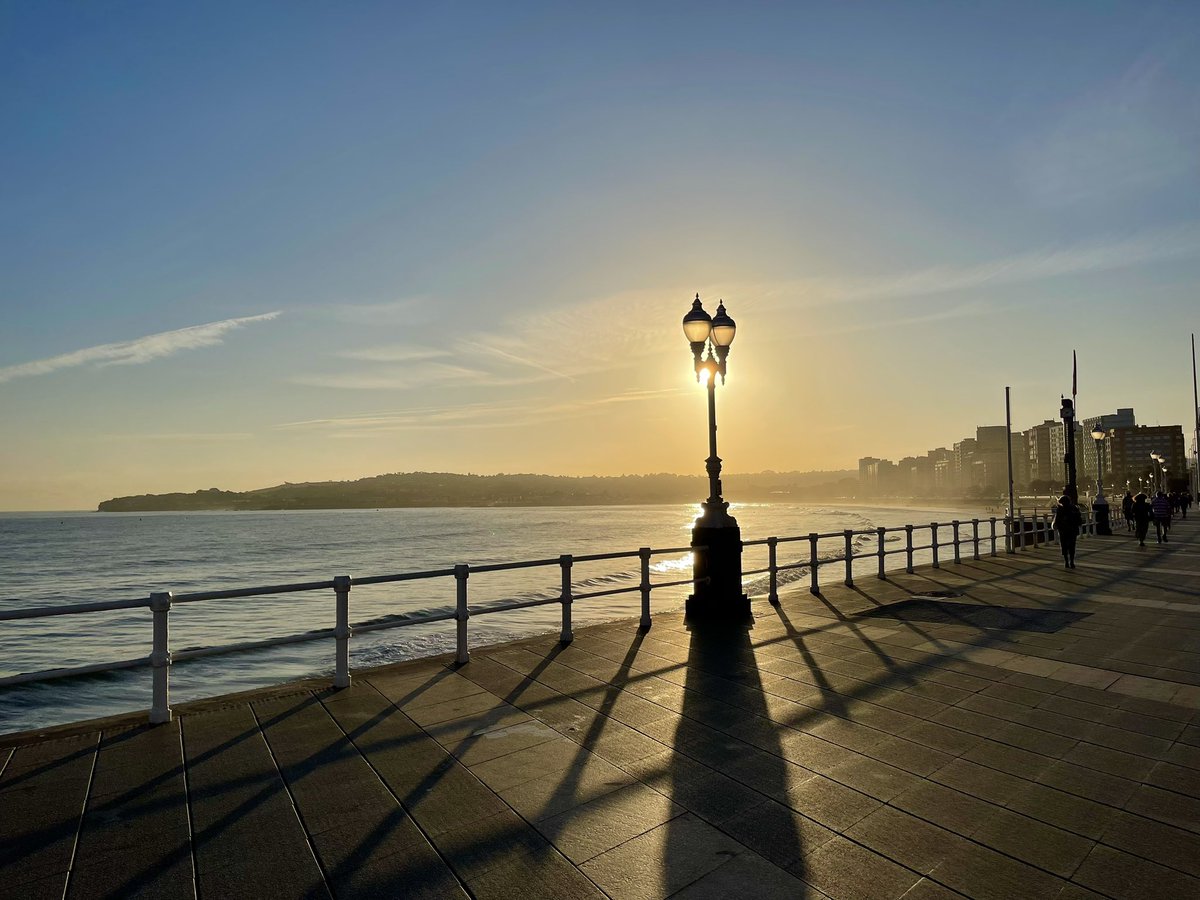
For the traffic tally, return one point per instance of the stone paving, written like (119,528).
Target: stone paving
(1001,728)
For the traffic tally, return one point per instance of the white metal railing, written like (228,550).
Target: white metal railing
(160,603)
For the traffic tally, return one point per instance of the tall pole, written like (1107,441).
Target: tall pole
(1068,417)
(1012,505)
(1196,434)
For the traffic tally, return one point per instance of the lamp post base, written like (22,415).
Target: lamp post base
(717,568)
(1100,508)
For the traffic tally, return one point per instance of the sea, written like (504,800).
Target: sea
(61,559)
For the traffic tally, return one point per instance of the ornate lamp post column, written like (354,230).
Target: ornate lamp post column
(1068,416)
(1155,462)
(716,538)
(1100,506)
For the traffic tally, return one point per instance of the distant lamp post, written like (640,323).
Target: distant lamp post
(1155,462)
(1100,506)
(1068,416)
(716,538)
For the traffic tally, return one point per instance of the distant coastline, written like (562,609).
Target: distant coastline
(445,489)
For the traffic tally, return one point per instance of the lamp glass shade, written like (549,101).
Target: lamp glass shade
(723,327)
(697,323)
(1098,433)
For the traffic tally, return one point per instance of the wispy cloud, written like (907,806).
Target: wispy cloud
(394,353)
(512,358)
(182,437)
(1137,132)
(135,352)
(963,311)
(560,342)
(1104,254)
(406,311)
(468,415)
(393,378)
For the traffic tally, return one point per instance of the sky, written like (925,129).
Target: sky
(249,243)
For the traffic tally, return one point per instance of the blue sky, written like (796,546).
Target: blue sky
(247,243)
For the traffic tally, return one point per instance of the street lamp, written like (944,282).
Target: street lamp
(1156,461)
(1100,506)
(716,538)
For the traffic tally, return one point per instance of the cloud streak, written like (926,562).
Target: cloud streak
(468,415)
(136,352)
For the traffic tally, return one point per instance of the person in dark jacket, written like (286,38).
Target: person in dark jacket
(1066,522)
(1127,509)
(1161,506)
(1141,517)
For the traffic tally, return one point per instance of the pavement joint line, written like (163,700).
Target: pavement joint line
(308,838)
(87,796)
(187,804)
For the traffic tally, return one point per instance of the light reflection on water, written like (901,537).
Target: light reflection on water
(50,559)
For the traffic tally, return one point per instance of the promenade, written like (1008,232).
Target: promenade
(1001,728)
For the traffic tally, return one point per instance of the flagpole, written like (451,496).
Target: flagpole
(1196,414)
(1068,416)
(1011,500)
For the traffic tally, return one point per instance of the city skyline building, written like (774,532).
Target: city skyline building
(1129,454)
(978,465)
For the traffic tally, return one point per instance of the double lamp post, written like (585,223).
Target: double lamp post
(716,538)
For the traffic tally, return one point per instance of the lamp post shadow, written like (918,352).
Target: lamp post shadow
(732,788)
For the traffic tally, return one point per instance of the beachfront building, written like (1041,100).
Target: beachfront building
(868,476)
(1086,452)
(1129,454)
(1058,453)
(961,471)
(1043,465)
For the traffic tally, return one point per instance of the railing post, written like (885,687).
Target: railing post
(813,586)
(957,551)
(933,526)
(341,632)
(773,565)
(160,658)
(1021,532)
(908,549)
(566,636)
(849,557)
(975,539)
(882,540)
(1008,534)
(462,572)
(993,521)
(1047,529)
(644,555)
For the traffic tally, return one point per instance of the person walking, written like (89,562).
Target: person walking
(1141,517)
(1066,522)
(1162,516)
(1127,509)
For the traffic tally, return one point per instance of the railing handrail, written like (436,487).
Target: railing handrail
(161,658)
